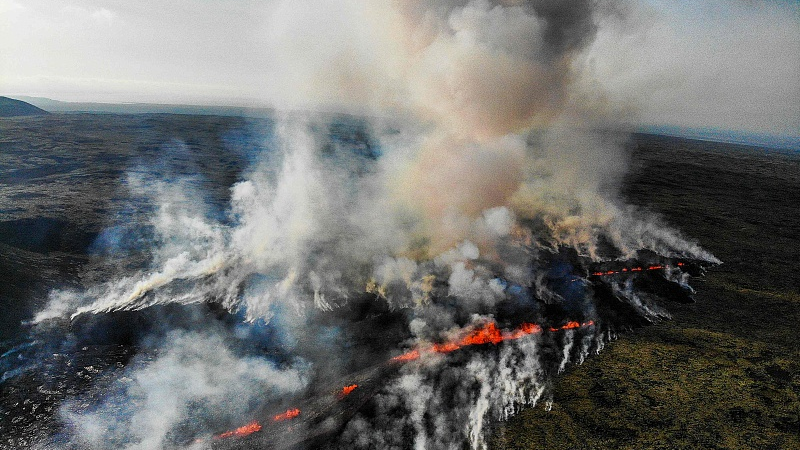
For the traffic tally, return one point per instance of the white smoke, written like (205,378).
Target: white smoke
(483,91)
(195,378)
(486,161)
(440,406)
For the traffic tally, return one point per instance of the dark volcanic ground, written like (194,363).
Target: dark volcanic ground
(724,373)
(63,177)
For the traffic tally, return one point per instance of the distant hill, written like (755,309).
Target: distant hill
(260,112)
(765,140)
(58,106)
(10,108)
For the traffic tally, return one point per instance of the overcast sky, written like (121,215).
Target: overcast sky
(726,64)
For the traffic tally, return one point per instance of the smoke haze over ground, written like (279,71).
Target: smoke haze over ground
(476,188)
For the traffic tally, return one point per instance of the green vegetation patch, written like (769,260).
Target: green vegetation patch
(667,387)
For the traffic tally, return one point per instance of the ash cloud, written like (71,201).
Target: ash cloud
(488,171)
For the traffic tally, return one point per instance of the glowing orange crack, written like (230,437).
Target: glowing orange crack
(347,390)
(486,334)
(289,414)
(250,428)
(407,356)
(633,269)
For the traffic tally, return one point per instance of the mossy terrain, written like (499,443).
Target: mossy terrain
(725,371)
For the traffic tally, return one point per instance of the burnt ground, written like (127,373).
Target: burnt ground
(725,371)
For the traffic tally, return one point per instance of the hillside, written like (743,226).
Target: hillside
(11,108)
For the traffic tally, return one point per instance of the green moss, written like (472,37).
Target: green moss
(668,388)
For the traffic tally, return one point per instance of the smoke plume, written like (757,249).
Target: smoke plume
(482,159)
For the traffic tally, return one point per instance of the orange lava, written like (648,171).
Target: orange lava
(632,269)
(347,390)
(289,414)
(407,356)
(571,326)
(486,334)
(446,347)
(250,428)
(522,331)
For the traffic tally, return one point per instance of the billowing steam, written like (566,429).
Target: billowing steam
(481,164)
(197,379)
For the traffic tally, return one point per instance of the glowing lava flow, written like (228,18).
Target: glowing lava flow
(254,426)
(250,428)
(486,334)
(289,414)
(407,356)
(347,390)
(570,326)
(632,269)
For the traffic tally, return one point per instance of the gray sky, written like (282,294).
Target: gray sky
(725,64)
